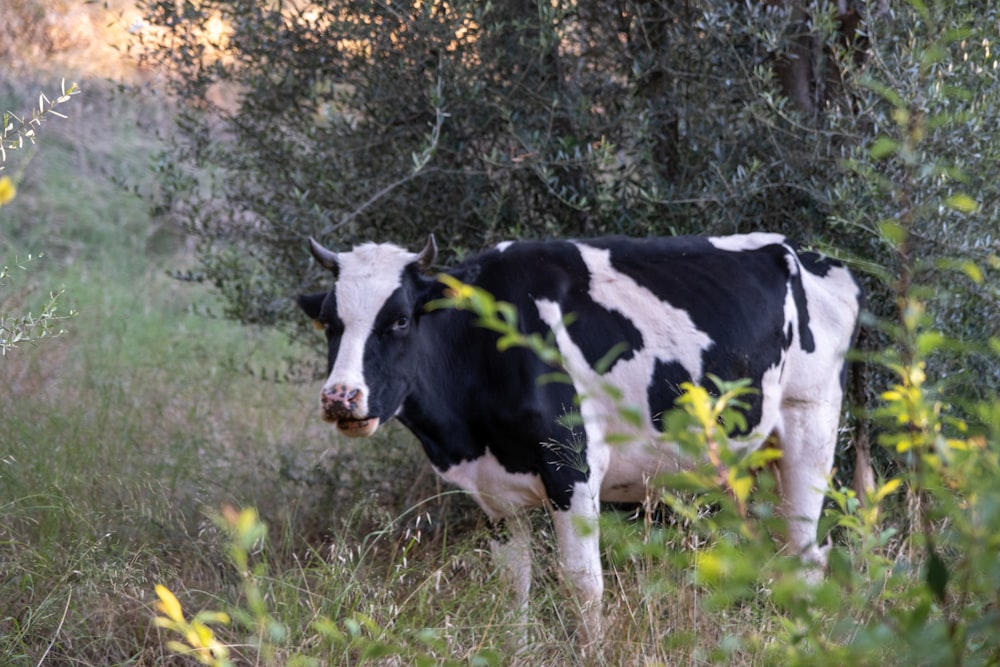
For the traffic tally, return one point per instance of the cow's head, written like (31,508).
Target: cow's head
(370,319)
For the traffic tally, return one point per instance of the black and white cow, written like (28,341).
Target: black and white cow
(747,306)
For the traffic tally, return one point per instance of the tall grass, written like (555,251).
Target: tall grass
(116,437)
(120,439)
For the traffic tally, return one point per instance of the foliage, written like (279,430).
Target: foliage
(371,120)
(358,637)
(374,120)
(142,396)
(16,329)
(18,128)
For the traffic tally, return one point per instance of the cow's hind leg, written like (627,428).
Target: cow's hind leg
(808,438)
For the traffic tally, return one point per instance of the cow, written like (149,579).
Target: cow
(641,315)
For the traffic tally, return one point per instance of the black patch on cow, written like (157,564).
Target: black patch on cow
(817,264)
(558,273)
(664,389)
(594,341)
(806,340)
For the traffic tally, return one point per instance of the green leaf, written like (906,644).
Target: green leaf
(884,147)
(486,658)
(377,649)
(887,488)
(962,202)
(935,53)
(303,661)
(892,232)
(921,8)
(328,629)
(761,457)
(887,93)
(956,35)
(929,341)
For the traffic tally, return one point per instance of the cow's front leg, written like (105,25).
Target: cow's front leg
(511,548)
(580,555)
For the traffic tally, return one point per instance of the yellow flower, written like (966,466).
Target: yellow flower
(7,190)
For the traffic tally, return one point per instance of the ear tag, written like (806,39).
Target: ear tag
(318,325)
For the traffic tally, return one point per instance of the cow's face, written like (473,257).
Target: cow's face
(370,319)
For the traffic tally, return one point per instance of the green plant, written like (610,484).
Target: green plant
(898,175)
(17,329)
(358,121)
(357,634)
(16,129)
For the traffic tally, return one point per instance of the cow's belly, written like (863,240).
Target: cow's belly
(633,467)
(499,492)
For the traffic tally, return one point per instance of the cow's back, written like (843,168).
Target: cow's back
(647,315)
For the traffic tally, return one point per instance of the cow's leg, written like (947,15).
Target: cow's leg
(808,440)
(511,548)
(578,536)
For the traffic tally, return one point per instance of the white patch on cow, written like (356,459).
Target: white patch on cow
(503,245)
(498,492)
(367,277)
(752,241)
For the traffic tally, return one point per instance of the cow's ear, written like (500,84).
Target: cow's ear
(425,260)
(311,304)
(325,258)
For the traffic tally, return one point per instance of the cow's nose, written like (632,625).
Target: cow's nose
(339,401)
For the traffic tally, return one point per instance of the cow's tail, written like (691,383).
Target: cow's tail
(864,473)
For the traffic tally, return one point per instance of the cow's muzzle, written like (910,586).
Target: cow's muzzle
(339,405)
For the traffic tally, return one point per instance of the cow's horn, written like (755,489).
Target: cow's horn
(425,260)
(326,258)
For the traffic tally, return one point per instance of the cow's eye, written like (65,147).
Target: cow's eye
(401,323)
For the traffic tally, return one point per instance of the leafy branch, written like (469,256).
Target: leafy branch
(16,129)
